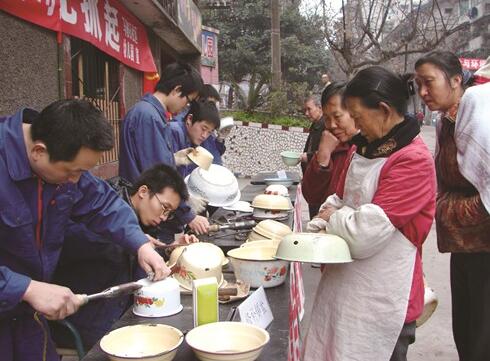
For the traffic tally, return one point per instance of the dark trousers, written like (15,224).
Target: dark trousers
(407,337)
(313,209)
(470,291)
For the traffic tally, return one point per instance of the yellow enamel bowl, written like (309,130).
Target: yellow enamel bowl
(271,202)
(262,243)
(257,266)
(199,260)
(313,247)
(227,341)
(201,157)
(178,251)
(254,236)
(150,342)
(272,229)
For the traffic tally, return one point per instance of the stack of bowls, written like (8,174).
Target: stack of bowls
(269,229)
(217,184)
(271,206)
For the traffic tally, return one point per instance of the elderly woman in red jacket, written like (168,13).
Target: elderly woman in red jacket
(383,208)
(323,171)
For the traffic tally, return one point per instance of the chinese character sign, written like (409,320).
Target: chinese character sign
(471,64)
(106,24)
(209,48)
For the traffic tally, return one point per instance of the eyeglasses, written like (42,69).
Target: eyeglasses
(165,211)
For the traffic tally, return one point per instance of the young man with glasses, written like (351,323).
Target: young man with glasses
(90,263)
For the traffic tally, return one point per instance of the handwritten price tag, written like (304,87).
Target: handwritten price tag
(255,309)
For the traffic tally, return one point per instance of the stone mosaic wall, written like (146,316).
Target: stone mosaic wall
(252,148)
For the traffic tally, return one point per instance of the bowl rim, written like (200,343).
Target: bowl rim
(298,154)
(181,339)
(213,204)
(230,352)
(253,260)
(310,261)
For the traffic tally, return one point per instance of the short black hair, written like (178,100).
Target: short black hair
(66,126)
(209,91)
(376,84)
(180,74)
(332,89)
(204,110)
(159,177)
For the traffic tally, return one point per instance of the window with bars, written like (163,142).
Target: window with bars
(95,77)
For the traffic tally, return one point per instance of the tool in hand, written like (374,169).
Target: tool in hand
(232,225)
(111,292)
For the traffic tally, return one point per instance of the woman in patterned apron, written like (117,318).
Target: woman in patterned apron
(383,208)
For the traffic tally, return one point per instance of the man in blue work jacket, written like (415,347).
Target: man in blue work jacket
(44,159)
(145,139)
(195,130)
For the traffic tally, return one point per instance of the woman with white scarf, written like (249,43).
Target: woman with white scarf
(463,204)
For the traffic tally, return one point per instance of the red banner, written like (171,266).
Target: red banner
(104,23)
(471,64)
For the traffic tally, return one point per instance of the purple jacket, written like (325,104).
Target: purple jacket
(25,257)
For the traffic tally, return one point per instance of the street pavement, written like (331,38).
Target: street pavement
(434,339)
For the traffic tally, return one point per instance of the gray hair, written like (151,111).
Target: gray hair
(316,99)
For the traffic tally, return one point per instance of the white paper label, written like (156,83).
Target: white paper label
(255,309)
(282,174)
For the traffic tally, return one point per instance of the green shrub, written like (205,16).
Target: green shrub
(262,117)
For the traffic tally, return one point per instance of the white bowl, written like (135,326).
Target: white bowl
(226,122)
(277,189)
(430,305)
(227,341)
(153,342)
(313,247)
(257,266)
(218,185)
(157,299)
(240,206)
(290,158)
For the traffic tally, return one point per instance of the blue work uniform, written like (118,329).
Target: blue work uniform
(145,142)
(89,264)
(33,218)
(180,140)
